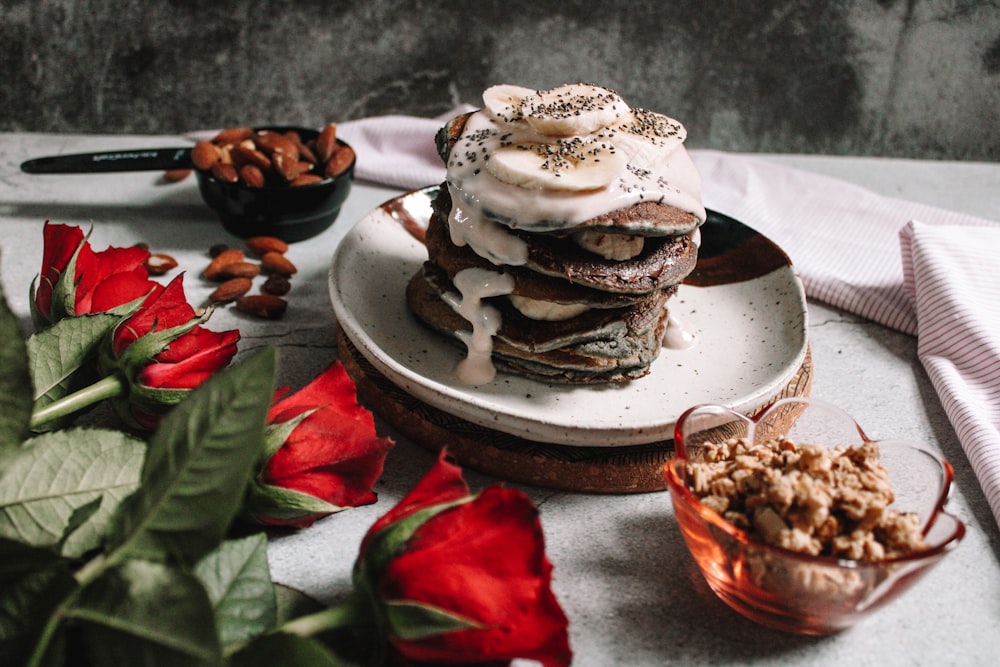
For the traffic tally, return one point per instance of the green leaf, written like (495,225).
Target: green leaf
(293,603)
(413,621)
(62,357)
(15,381)
(238,581)
(287,651)
(55,474)
(33,582)
(277,434)
(279,503)
(144,613)
(198,465)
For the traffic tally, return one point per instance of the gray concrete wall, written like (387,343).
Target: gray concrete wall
(907,78)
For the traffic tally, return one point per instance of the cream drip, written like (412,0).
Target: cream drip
(489,239)
(473,286)
(676,336)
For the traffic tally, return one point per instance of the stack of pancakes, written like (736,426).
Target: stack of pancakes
(573,234)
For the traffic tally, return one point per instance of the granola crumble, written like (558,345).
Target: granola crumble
(807,498)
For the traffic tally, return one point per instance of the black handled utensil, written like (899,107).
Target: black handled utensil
(129,159)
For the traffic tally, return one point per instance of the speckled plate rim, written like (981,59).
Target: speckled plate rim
(751,341)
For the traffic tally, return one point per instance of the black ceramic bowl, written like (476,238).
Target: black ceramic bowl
(289,213)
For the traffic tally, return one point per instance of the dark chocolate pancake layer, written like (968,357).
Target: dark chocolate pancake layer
(664,261)
(595,346)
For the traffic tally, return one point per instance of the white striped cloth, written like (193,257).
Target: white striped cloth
(854,249)
(919,269)
(950,274)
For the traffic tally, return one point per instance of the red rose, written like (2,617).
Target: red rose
(326,455)
(463,579)
(162,352)
(75,280)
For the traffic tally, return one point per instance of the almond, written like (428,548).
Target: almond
(340,161)
(232,135)
(326,142)
(276,284)
(286,165)
(305,153)
(157,264)
(248,154)
(305,179)
(175,175)
(259,245)
(267,306)
(239,270)
(272,142)
(204,155)
(274,262)
(225,172)
(214,269)
(230,290)
(252,176)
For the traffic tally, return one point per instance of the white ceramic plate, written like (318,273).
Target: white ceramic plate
(745,305)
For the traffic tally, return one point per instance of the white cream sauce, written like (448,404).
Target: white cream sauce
(676,336)
(473,286)
(658,169)
(487,238)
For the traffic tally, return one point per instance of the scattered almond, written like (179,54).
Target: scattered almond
(216,249)
(214,270)
(175,175)
(275,262)
(230,290)
(239,270)
(158,264)
(276,284)
(267,306)
(258,245)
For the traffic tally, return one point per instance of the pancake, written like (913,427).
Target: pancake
(596,346)
(664,261)
(566,223)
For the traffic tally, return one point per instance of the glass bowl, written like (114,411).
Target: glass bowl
(788,590)
(289,213)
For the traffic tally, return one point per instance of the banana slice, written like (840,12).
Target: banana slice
(569,164)
(661,131)
(573,110)
(503,102)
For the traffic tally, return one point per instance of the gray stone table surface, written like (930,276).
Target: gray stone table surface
(622,573)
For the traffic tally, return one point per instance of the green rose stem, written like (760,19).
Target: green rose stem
(107,387)
(352,612)
(87,574)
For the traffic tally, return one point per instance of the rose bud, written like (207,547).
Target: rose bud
(463,579)
(322,454)
(162,353)
(76,281)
